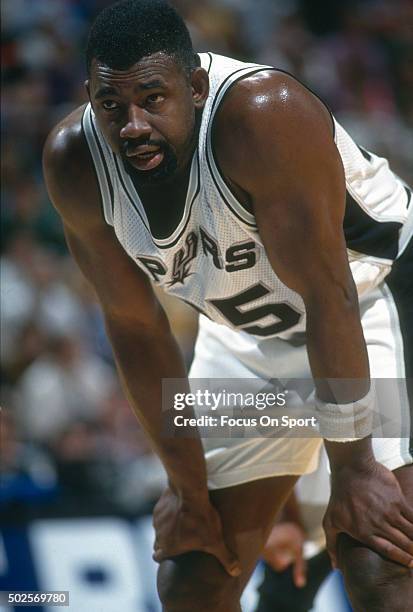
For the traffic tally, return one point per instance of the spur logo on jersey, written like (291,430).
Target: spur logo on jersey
(239,256)
(181,267)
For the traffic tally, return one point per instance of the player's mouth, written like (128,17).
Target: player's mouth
(145,157)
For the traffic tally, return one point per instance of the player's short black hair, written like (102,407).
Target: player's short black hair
(129,30)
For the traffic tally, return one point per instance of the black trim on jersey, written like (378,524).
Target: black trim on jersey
(210,61)
(368,236)
(102,156)
(194,197)
(105,166)
(170,244)
(128,194)
(400,283)
(225,81)
(263,67)
(364,153)
(209,131)
(409,196)
(234,212)
(214,110)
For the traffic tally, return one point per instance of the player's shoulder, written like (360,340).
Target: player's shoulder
(68,167)
(270,94)
(268,110)
(66,142)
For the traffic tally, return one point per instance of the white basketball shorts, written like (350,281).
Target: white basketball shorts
(387,320)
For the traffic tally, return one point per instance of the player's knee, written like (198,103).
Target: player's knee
(373,583)
(196,581)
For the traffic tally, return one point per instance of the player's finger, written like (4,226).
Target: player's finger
(398,538)
(228,561)
(300,570)
(405,527)
(391,551)
(161,554)
(407,512)
(157,555)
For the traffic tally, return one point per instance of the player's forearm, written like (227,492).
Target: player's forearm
(144,358)
(336,348)
(339,364)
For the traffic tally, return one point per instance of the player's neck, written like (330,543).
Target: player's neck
(167,188)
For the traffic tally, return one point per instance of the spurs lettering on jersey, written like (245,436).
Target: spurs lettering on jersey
(239,256)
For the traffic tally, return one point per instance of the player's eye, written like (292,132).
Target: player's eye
(110,105)
(155,98)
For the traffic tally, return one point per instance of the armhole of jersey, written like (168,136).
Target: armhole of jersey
(240,212)
(228,197)
(205,60)
(100,163)
(406,233)
(370,233)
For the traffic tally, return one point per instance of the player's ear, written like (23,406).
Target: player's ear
(200,86)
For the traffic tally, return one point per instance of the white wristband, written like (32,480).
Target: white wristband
(346,422)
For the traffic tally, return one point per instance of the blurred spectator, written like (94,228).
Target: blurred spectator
(27,476)
(34,290)
(86,474)
(61,387)
(106,465)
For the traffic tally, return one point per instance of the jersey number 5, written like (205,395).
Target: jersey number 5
(233,309)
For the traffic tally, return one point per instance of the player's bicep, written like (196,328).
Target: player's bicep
(297,187)
(303,238)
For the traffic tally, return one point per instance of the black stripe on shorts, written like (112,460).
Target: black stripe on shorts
(400,283)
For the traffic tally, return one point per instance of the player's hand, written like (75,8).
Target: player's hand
(369,505)
(183,525)
(285,547)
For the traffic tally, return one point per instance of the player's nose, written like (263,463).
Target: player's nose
(137,125)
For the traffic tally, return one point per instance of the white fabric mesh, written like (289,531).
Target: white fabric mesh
(372,184)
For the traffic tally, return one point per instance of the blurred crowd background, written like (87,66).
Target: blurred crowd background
(69,442)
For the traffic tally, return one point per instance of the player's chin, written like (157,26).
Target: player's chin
(162,172)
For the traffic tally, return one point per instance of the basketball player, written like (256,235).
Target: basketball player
(232,187)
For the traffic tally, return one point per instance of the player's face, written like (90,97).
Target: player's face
(147,113)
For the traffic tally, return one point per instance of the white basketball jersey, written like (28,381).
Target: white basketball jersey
(214,259)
